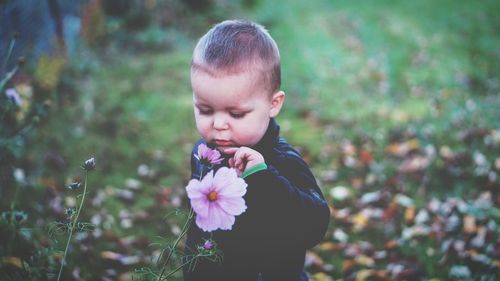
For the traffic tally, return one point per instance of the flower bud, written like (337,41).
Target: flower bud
(208,245)
(20,216)
(21,61)
(89,164)
(69,212)
(74,185)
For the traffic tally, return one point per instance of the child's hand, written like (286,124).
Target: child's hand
(243,158)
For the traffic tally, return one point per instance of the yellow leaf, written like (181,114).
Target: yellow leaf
(329,246)
(409,214)
(359,220)
(365,260)
(48,70)
(363,274)
(321,276)
(402,149)
(15,261)
(25,91)
(470,224)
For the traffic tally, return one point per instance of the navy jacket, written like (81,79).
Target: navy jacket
(286,214)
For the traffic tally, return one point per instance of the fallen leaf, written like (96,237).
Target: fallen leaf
(365,157)
(402,149)
(123,259)
(365,260)
(415,164)
(410,214)
(330,247)
(348,264)
(469,224)
(340,193)
(363,274)
(360,220)
(15,261)
(390,212)
(391,244)
(314,261)
(321,276)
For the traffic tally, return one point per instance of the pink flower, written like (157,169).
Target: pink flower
(216,200)
(208,156)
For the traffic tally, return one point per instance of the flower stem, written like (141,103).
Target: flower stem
(72,228)
(180,266)
(183,232)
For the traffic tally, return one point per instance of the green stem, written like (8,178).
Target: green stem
(185,229)
(9,53)
(179,267)
(8,76)
(72,228)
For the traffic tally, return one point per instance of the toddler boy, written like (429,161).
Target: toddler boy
(235,78)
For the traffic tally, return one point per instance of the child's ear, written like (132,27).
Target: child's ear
(276,103)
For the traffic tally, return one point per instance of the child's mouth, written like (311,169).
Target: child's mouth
(223,143)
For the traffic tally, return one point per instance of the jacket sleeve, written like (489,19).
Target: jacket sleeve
(290,203)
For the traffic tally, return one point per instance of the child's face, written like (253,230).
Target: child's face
(232,110)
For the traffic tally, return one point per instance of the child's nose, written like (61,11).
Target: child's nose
(220,122)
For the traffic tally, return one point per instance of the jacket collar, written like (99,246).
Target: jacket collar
(270,138)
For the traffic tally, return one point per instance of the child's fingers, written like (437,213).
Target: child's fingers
(231,163)
(248,157)
(241,167)
(240,156)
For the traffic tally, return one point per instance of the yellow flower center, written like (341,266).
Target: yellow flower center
(212,196)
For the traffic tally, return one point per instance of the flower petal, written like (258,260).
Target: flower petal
(207,182)
(223,178)
(204,223)
(200,206)
(237,188)
(232,206)
(210,222)
(194,189)
(227,222)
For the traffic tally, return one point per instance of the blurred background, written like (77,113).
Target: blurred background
(394,104)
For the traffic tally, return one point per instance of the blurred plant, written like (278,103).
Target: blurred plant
(10,103)
(73,225)
(19,113)
(21,257)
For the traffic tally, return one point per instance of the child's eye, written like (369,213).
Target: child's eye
(237,115)
(205,111)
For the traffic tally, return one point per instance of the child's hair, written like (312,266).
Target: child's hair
(233,46)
